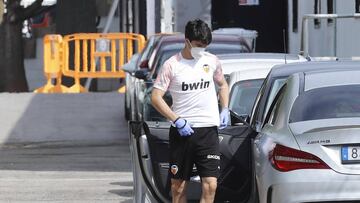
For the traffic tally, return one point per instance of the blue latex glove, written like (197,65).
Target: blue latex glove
(183,127)
(224,118)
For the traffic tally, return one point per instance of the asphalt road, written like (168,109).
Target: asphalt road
(76,174)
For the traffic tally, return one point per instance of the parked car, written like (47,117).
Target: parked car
(137,61)
(238,181)
(309,148)
(249,35)
(170,45)
(245,66)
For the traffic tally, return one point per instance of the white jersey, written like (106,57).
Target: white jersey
(191,85)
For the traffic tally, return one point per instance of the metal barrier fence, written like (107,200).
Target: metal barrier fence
(53,64)
(87,55)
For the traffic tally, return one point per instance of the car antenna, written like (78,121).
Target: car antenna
(284,38)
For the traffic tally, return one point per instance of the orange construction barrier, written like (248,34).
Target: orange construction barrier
(53,54)
(94,55)
(111,50)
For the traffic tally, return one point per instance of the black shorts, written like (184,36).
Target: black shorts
(201,149)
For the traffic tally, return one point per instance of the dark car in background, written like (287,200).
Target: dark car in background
(137,61)
(168,46)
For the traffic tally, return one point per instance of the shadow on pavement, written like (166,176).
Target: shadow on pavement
(63,132)
(128,184)
(108,158)
(123,192)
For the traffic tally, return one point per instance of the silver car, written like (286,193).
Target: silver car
(149,147)
(309,148)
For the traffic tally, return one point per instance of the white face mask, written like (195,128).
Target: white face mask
(196,52)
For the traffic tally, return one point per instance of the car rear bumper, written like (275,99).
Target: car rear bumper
(313,186)
(314,192)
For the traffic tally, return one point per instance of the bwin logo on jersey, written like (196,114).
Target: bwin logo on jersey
(195,85)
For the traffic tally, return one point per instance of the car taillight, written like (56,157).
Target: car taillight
(288,159)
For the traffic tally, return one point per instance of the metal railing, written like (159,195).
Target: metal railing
(304,49)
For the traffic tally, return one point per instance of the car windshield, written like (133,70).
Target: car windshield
(164,55)
(147,49)
(214,48)
(243,95)
(327,102)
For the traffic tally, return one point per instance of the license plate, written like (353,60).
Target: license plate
(350,154)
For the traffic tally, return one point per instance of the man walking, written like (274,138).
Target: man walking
(190,76)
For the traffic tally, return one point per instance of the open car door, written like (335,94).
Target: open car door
(149,142)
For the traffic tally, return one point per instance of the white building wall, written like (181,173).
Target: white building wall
(322,38)
(348,31)
(167,16)
(186,10)
(150,16)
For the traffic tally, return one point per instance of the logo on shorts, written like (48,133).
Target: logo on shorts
(206,68)
(211,156)
(174,169)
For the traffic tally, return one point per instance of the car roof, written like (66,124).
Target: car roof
(179,38)
(242,61)
(249,74)
(256,73)
(289,69)
(229,67)
(264,56)
(215,37)
(319,79)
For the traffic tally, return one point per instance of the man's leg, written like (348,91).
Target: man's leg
(178,190)
(209,185)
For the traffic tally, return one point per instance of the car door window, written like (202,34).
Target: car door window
(275,107)
(255,111)
(242,96)
(278,83)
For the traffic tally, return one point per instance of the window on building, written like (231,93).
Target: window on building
(317,10)
(330,10)
(295,15)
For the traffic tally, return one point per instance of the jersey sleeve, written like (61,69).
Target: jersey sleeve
(218,73)
(163,79)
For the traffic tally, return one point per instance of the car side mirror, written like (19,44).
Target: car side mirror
(129,67)
(142,74)
(237,119)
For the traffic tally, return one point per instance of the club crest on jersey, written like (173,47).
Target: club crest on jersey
(206,68)
(174,169)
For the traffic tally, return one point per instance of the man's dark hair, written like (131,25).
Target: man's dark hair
(198,30)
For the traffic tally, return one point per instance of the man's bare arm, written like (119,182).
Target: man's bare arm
(223,93)
(161,106)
